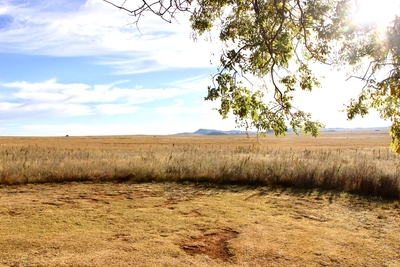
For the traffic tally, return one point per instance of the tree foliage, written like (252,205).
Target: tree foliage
(277,43)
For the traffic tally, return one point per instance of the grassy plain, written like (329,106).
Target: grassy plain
(357,162)
(295,209)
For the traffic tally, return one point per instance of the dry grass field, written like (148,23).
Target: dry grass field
(200,201)
(357,162)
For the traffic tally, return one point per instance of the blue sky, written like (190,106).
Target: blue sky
(77,67)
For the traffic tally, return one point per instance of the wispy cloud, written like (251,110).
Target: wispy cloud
(43,29)
(51,99)
(164,125)
(95,28)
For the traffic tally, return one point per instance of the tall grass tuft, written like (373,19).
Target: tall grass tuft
(351,171)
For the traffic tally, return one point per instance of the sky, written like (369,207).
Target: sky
(79,67)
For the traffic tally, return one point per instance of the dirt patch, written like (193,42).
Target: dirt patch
(213,244)
(169,224)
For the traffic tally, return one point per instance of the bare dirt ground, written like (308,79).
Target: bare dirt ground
(111,224)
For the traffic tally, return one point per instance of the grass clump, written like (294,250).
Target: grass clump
(352,171)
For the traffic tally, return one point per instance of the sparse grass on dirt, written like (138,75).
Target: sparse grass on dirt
(170,224)
(356,162)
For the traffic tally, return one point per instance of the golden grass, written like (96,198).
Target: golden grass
(357,162)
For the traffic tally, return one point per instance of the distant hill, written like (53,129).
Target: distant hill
(215,132)
(238,132)
(338,129)
(204,131)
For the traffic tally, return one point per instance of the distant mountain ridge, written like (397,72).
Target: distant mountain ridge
(238,132)
(216,132)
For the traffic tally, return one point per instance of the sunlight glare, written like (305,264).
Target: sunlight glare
(381,12)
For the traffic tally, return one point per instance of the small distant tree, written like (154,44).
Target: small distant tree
(276,42)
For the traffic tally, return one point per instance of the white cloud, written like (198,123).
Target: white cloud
(192,108)
(77,99)
(157,118)
(99,29)
(6,106)
(169,125)
(83,129)
(113,109)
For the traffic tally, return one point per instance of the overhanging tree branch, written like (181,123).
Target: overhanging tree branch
(166,10)
(277,41)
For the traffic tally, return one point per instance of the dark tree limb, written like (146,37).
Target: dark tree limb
(166,10)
